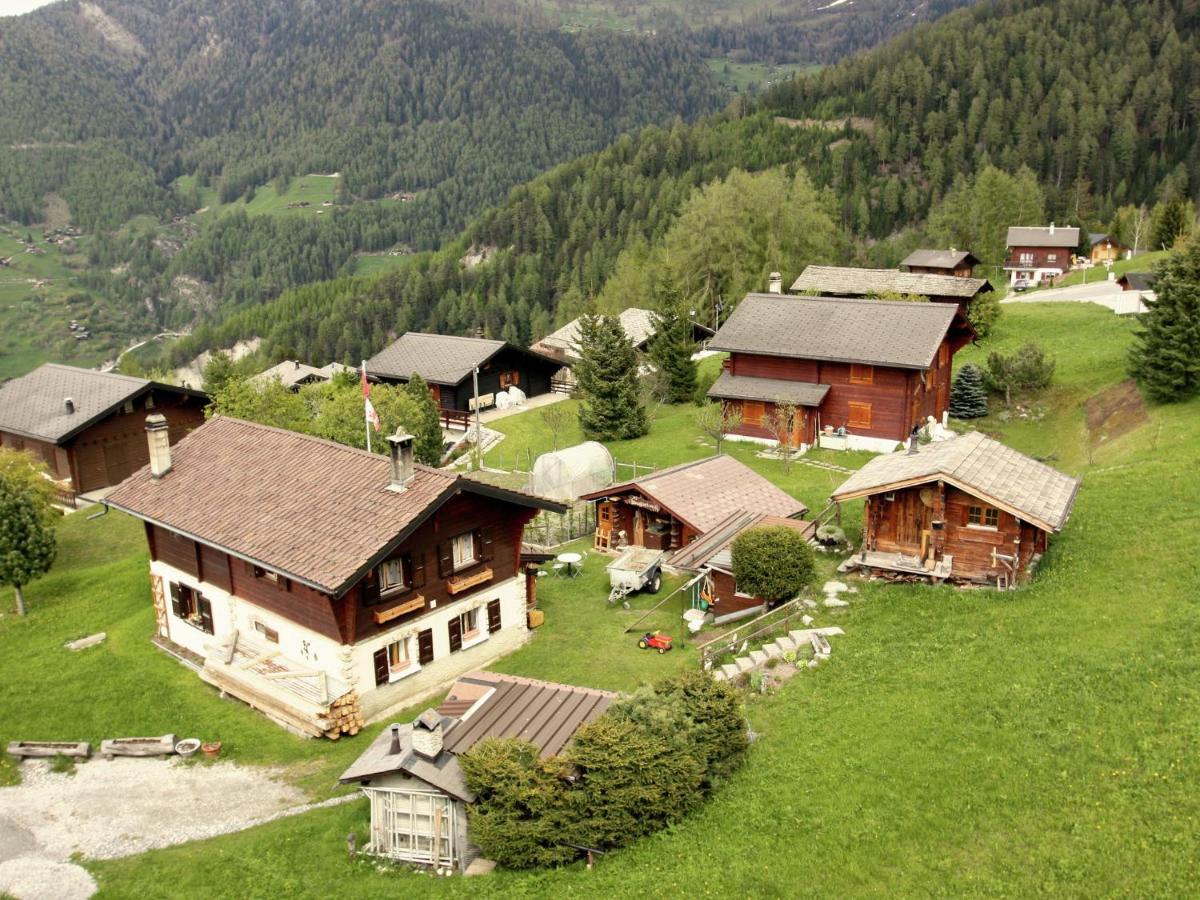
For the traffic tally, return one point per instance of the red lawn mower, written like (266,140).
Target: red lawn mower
(655,640)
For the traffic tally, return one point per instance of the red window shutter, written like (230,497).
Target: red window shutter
(381,666)
(493,611)
(445,553)
(425,646)
(455,634)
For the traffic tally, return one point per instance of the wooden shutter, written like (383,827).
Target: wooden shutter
(445,552)
(206,616)
(455,634)
(177,602)
(416,564)
(370,588)
(425,646)
(381,666)
(860,415)
(487,542)
(493,609)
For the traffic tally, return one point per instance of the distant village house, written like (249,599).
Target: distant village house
(842,281)
(293,374)
(959,263)
(1039,255)
(1106,248)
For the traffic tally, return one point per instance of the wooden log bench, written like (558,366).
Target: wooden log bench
(42,749)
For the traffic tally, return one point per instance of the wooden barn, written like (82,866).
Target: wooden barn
(959,263)
(968,509)
(866,371)
(670,508)
(843,281)
(710,554)
(411,774)
(448,363)
(88,426)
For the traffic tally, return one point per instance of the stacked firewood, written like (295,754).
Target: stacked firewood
(345,717)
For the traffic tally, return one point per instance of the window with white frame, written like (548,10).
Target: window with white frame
(469,622)
(399,657)
(1026,259)
(463,550)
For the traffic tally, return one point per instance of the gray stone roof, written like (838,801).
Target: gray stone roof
(980,466)
(938,259)
(769,390)
(34,405)
(871,332)
(438,358)
(1019,236)
(843,280)
(637,323)
(1138,281)
(290,373)
(712,549)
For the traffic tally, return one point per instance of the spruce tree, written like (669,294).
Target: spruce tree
(1166,350)
(607,373)
(427,443)
(671,352)
(968,397)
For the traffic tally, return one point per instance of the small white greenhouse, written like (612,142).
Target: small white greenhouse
(568,473)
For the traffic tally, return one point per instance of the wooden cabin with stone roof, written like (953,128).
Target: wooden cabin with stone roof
(968,509)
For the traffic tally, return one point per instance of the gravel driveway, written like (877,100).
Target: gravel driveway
(108,809)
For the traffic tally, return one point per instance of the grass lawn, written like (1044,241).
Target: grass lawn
(375,263)
(313,189)
(756,76)
(1038,742)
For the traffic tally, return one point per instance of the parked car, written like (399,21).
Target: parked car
(1024,284)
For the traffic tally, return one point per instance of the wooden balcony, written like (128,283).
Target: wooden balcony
(456,584)
(383,616)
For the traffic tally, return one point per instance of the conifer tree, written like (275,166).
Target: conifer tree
(607,373)
(428,431)
(968,396)
(1166,351)
(671,351)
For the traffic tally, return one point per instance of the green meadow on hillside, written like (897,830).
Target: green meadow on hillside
(957,742)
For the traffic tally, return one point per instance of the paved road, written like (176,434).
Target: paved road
(1105,293)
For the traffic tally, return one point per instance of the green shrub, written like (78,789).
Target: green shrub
(774,562)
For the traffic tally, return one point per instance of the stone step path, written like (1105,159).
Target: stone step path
(816,638)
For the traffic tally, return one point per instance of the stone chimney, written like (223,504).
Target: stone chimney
(401,448)
(427,734)
(775,284)
(395,747)
(914,441)
(69,406)
(160,444)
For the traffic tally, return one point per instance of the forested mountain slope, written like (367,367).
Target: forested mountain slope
(1099,99)
(417,97)
(930,114)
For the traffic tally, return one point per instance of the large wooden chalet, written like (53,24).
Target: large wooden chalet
(968,509)
(844,281)
(864,372)
(670,508)
(321,583)
(88,426)
(1038,255)
(447,364)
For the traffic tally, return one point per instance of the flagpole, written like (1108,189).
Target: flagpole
(366,409)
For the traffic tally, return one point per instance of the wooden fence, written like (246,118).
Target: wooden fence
(551,529)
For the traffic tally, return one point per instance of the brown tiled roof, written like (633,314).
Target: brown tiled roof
(34,405)
(546,714)
(313,510)
(980,466)
(939,259)
(1019,236)
(704,492)
(745,387)
(438,358)
(845,281)
(836,329)
(712,548)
